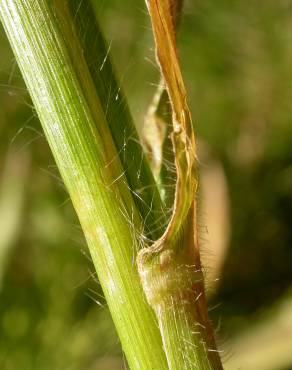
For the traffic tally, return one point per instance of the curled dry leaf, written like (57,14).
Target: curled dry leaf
(182,135)
(170,269)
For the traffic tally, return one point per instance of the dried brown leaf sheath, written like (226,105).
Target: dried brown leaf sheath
(170,269)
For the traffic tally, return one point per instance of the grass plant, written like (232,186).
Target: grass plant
(149,269)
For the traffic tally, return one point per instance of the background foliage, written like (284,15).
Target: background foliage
(237,59)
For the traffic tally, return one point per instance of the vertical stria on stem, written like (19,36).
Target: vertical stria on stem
(76,127)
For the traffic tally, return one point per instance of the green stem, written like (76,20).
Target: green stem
(175,322)
(75,125)
(97,57)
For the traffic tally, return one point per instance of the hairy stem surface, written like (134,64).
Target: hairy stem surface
(42,34)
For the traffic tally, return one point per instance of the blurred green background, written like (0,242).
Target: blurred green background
(237,63)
